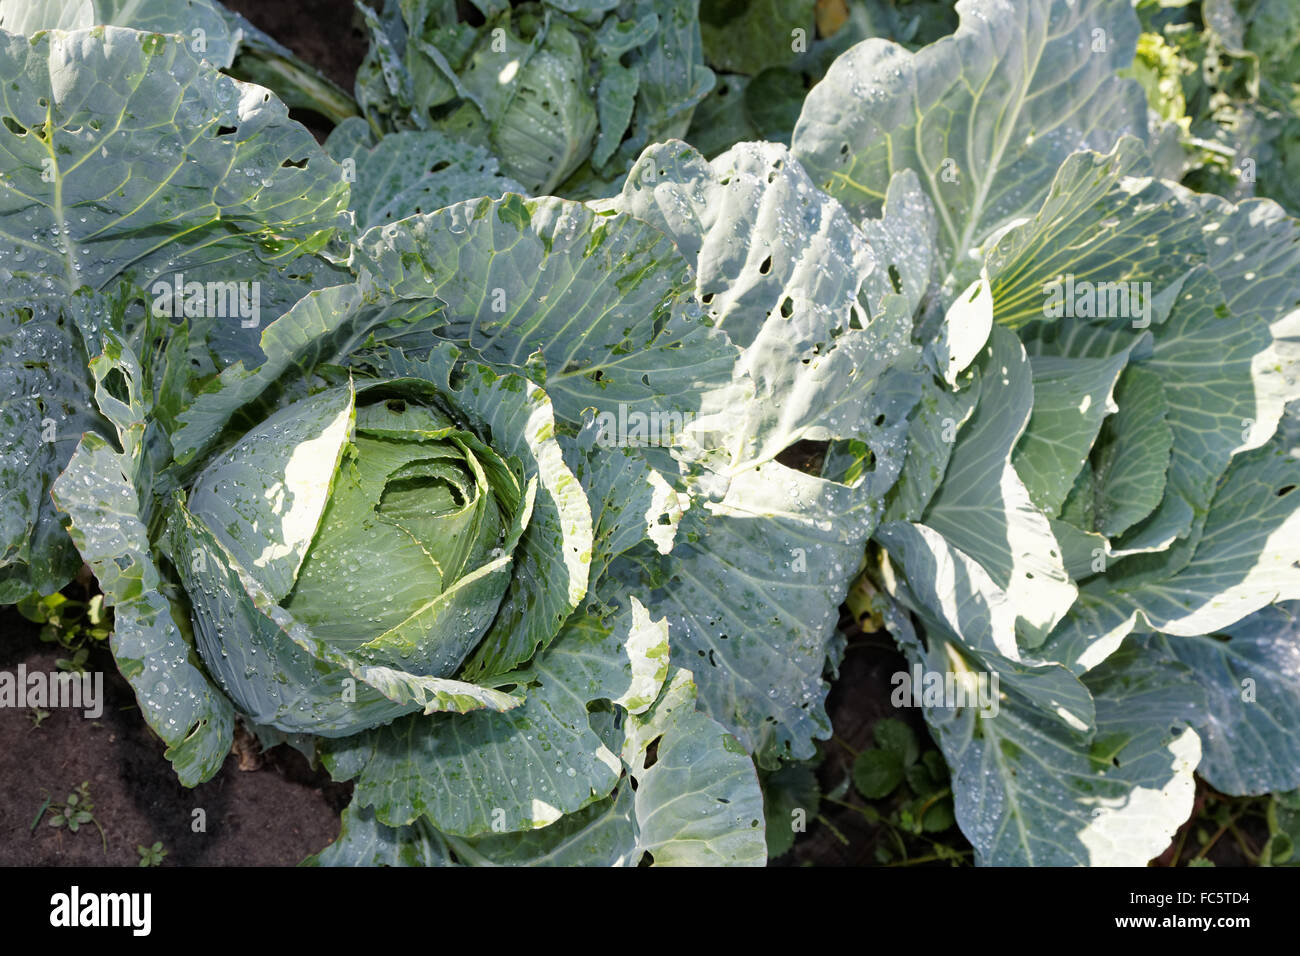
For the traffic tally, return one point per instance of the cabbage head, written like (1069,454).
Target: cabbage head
(356,535)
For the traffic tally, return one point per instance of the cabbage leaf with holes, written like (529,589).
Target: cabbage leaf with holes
(1097,482)
(126,159)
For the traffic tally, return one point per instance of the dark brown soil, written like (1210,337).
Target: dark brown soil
(328,34)
(276,815)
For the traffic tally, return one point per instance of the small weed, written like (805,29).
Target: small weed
(911,795)
(75,812)
(151,855)
(76,626)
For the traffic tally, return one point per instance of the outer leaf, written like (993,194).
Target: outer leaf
(1132,454)
(985,117)
(1029,792)
(766,280)
(817,377)
(752,260)
(519,276)
(983,508)
(405,174)
(930,437)
(170,141)
(1102,224)
(1254,252)
(904,240)
(958,601)
(952,588)
(506,772)
(44,409)
(1245,559)
(321,326)
(200,21)
(1206,360)
(1251,677)
(630,501)
(696,805)
(965,329)
(601,834)
(748,592)
(364,841)
(100,491)
(683,817)
(1071,397)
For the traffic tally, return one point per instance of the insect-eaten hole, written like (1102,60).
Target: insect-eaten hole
(1285,490)
(652,752)
(115,385)
(15,127)
(806,456)
(895,278)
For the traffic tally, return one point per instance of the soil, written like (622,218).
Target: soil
(328,34)
(275,815)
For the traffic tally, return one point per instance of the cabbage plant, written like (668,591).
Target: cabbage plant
(534,517)
(565,94)
(500,526)
(1099,486)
